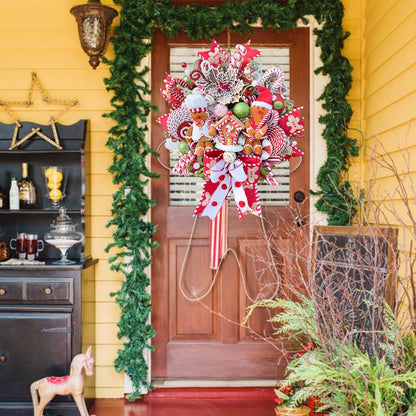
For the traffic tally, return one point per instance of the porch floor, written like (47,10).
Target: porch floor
(191,402)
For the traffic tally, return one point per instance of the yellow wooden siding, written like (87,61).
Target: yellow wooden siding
(88,322)
(390,74)
(42,37)
(353,51)
(389,97)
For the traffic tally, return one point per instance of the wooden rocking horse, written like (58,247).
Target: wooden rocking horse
(45,389)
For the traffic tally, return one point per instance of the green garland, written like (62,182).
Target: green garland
(128,138)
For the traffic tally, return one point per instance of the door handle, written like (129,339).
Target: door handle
(299,196)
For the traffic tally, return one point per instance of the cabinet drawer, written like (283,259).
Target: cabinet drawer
(11,290)
(50,291)
(37,290)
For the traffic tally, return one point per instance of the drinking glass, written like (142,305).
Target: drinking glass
(18,244)
(33,246)
(55,181)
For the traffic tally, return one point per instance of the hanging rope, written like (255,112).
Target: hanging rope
(192,298)
(228,40)
(158,157)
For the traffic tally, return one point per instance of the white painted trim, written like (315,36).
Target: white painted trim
(318,151)
(214,383)
(128,385)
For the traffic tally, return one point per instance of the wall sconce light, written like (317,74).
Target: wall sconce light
(94,22)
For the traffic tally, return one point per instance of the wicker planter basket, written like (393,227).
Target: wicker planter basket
(287,411)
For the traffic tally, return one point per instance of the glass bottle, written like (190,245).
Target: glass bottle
(14,195)
(27,190)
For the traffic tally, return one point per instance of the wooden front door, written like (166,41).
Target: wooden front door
(202,339)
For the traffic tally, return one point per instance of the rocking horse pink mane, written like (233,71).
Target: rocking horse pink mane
(45,389)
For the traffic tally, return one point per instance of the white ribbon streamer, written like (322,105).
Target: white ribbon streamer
(230,175)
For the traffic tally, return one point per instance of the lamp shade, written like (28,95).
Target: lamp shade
(94,22)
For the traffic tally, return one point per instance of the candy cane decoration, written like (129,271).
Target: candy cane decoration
(276,77)
(238,56)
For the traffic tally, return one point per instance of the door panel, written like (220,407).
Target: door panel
(202,339)
(259,283)
(233,362)
(191,320)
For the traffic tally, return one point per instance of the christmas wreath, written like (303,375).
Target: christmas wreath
(232,123)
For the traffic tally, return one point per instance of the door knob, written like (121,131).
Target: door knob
(2,292)
(3,359)
(299,196)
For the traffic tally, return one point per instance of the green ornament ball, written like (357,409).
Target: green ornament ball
(278,105)
(183,147)
(241,110)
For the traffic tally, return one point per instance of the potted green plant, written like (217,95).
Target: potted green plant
(285,405)
(348,381)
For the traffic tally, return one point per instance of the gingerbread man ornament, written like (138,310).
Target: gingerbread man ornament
(256,125)
(199,131)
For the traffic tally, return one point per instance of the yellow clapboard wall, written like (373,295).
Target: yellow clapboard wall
(42,36)
(389,94)
(353,50)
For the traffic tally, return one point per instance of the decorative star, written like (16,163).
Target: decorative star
(250,54)
(216,55)
(6,106)
(163,120)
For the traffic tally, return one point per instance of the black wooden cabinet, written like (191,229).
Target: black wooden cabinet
(41,310)
(38,153)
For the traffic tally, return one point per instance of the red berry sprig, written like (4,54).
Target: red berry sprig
(288,390)
(307,347)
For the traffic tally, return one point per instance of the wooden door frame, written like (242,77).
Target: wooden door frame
(160,190)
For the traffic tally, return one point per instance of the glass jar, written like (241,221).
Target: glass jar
(63,236)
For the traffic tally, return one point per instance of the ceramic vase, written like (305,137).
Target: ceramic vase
(297,411)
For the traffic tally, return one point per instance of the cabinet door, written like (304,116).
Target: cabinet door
(32,346)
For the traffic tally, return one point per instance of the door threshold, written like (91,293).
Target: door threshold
(212,393)
(186,383)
